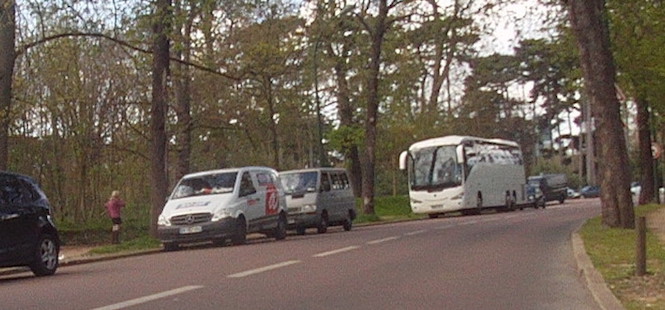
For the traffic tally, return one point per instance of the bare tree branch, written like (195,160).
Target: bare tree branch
(25,47)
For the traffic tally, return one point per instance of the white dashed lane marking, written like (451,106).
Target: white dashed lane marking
(141,300)
(383,240)
(417,232)
(346,249)
(263,269)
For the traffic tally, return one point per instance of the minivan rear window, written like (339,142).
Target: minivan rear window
(299,182)
(210,184)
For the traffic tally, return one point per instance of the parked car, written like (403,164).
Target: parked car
(224,204)
(28,236)
(572,194)
(590,191)
(535,196)
(318,197)
(553,186)
(635,189)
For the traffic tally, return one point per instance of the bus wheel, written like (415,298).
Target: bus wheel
(509,204)
(479,204)
(433,215)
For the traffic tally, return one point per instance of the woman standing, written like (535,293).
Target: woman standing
(113,206)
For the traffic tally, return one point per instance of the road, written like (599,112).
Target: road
(515,260)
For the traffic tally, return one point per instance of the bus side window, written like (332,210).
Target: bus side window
(325,182)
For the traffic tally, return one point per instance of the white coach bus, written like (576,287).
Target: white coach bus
(466,174)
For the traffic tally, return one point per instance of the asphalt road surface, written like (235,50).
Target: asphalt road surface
(515,260)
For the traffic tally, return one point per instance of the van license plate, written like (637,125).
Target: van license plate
(190,230)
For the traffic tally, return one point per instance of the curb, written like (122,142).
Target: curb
(594,280)
(84,260)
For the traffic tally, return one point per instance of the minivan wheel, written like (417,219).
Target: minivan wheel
(46,256)
(241,232)
(323,224)
(280,230)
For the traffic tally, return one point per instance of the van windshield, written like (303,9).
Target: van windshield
(301,182)
(210,184)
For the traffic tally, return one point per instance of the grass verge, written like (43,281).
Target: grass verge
(137,244)
(612,252)
(387,209)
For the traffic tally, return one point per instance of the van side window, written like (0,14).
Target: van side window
(325,182)
(246,185)
(345,180)
(336,181)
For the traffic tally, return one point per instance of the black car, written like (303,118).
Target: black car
(28,236)
(535,196)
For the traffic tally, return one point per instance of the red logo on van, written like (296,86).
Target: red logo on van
(272,200)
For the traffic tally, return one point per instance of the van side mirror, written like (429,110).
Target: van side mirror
(402,160)
(459,151)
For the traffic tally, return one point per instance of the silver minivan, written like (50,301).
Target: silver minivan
(318,198)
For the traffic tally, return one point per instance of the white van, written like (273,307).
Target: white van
(224,204)
(318,197)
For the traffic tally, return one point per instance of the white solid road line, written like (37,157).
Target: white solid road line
(383,240)
(348,248)
(141,300)
(263,269)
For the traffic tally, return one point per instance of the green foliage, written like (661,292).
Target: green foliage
(344,138)
(388,208)
(554,165)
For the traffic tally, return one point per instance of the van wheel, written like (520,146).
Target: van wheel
(241,232)
(348,223)
(322,227)
(45,256)
(280,230)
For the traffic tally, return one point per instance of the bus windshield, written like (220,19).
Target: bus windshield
(435,168)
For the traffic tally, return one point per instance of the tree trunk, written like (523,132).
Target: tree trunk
(647,191)
(589,23)
(345,111)
(274,136)
(7,58)
(182,87)
(158,111)
(373,100)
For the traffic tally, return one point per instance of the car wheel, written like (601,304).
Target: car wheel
(280,230)
(241,232)
(433,216)
(45,256)
(348,223)
(171,246)
(300,230)
(322,227)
